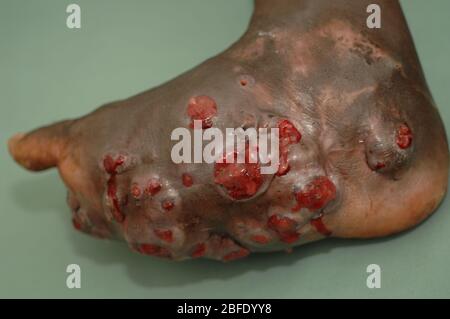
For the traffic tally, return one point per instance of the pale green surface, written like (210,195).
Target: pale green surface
(48,72)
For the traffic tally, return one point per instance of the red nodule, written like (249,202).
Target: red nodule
(288,134)
(289,238)
(167,204)
(404,136)
(136,191)
(320,226)
(199,250)
(281,224)
(260,239)
(285,227)
(316,194)
(242,180)
(112,194)
(76,224)
(187,180)
(153,250)
(153,187)
(165,235)
(283,166)
(236,254)
(111,166)
(380,165)
(202,108)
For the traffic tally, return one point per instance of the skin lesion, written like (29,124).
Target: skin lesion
(345,101)
(348,39)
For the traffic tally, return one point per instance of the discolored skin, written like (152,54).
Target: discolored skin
(363,151)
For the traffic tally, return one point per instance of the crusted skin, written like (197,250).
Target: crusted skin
(365,150)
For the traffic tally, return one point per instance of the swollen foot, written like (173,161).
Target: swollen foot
(362,151)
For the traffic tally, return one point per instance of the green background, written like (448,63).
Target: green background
(49,72)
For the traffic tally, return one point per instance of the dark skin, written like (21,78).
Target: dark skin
(363,150)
